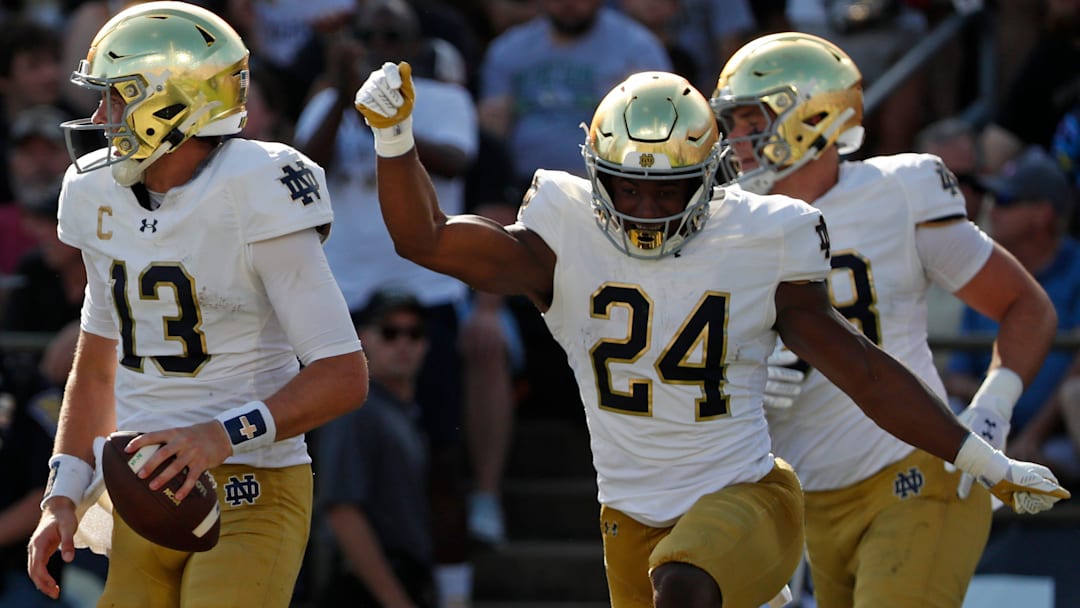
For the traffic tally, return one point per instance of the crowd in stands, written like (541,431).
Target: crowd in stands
(506,86)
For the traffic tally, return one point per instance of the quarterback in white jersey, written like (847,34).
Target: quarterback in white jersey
(667,302)
(887,524)
(207,289)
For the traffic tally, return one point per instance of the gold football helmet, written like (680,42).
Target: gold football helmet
(810,94)
(652,126)
(180,69)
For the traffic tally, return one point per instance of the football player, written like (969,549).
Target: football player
(207,288)
(668,299)
(887,524)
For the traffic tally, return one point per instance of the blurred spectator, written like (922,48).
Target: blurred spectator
(52,276)
(659,16)
(30,75)
(493,352)
(955,141)
(875,33)
(49,276)
(371,472)
(497,16)
(710,31)
(27,428)
(36,160)
(79,29)
(362,256)
(286,38)
(450,34)
(541,80)
(1063,454)
(1065,148)
(266,113)
(1032,203)
(51,273)
(1045,88)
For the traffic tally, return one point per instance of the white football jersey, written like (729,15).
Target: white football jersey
(196,330)
(669,354)
(879,283)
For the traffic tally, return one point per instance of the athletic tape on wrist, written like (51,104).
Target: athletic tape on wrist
(69,476)
(396,140)
(1000,391)
(250,426)
(981,460)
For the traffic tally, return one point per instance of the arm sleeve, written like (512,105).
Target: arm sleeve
(97,309)
(541,210)
(952,253)
(806,247)
(931,190)
(305,296)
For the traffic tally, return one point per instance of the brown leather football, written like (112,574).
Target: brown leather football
(189,525)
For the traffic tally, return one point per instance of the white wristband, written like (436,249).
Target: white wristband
(981,460)
(250,426)
(999,392)
(69,476)
(394,141)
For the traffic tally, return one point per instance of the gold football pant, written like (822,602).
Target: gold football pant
(265,519)
(748,537)
(898,539)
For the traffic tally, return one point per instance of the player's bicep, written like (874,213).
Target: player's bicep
(952,252)
(490,257)
(305,296)
(96,315)
(998,285)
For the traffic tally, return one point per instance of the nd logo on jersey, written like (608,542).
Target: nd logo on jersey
(908,483)
(244,490)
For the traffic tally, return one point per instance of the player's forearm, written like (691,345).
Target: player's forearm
(1025,334)
(906,408)
(410,206)
(89,405)
(322,391)
(360,546)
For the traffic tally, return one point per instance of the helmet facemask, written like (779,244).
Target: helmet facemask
(652,127)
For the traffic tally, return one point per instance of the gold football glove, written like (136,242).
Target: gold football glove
(386,97)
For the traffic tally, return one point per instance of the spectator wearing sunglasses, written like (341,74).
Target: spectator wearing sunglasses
(375,545)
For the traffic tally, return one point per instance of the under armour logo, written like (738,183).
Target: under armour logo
(908,483)
(610,528)
(239,490)
(147,224)
(301,183)
(989,429)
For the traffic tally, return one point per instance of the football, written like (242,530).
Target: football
(189,525)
